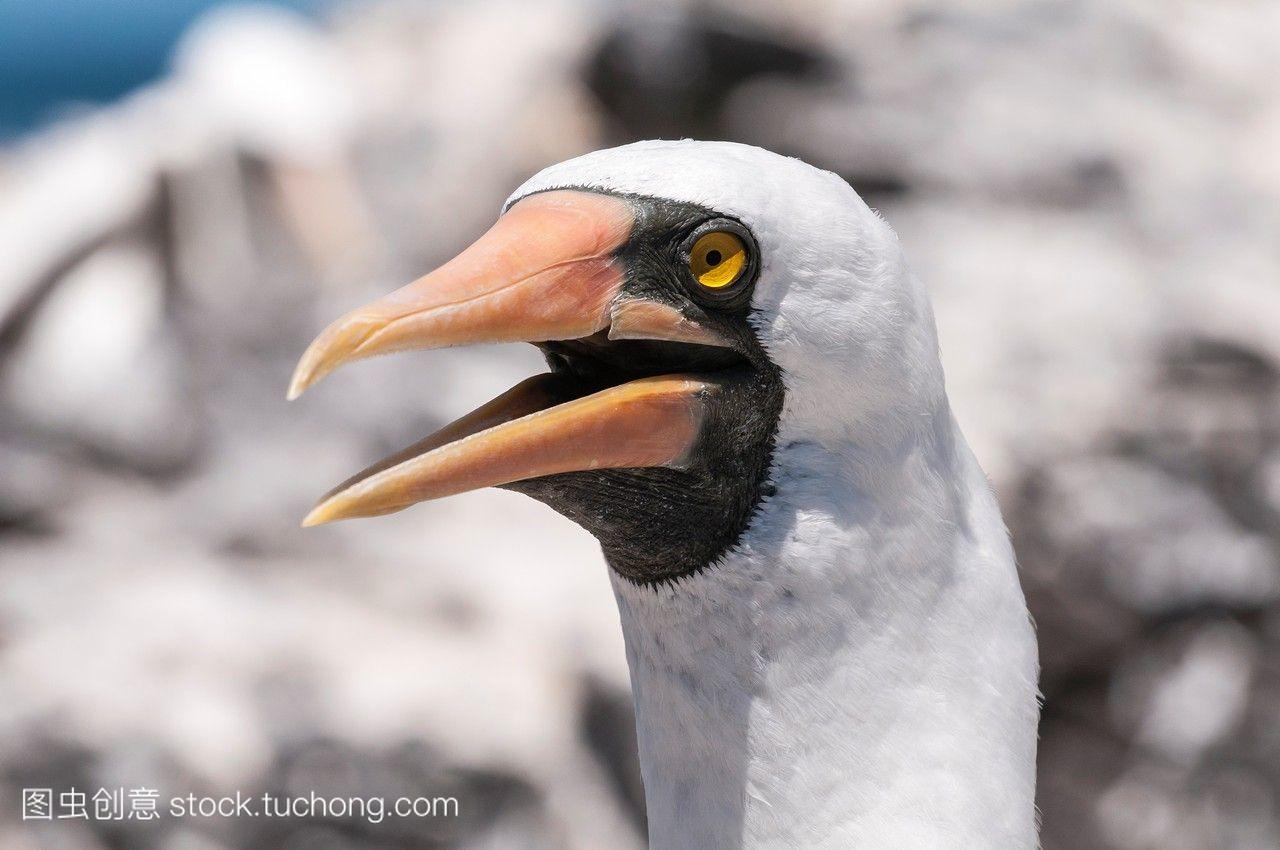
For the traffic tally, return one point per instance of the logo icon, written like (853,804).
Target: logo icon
(37,804)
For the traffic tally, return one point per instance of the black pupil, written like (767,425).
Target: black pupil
(714,257)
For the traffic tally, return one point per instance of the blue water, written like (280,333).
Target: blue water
(58,53)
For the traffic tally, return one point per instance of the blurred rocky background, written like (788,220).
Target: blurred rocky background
(1091,190)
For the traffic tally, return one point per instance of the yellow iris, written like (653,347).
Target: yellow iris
(717,259)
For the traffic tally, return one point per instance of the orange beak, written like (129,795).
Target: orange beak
(549,269)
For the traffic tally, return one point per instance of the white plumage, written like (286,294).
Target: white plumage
(860,671)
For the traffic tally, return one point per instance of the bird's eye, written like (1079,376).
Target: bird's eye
(717,259)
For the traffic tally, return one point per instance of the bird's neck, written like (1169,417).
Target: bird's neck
(860,672)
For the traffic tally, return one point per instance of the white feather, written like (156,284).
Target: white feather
(860,670)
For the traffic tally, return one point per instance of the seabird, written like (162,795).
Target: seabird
(745,405)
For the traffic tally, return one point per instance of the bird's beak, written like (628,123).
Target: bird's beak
(547,270)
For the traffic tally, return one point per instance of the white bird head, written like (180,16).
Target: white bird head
(835,305)
(699,303)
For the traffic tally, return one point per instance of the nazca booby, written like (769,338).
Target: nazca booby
(827,640)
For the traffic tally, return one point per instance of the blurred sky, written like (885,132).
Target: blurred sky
(57,53)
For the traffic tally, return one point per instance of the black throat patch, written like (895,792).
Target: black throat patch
(657,524)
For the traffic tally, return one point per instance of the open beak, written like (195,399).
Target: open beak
(548,270)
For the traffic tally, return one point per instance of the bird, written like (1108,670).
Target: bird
(828,643)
